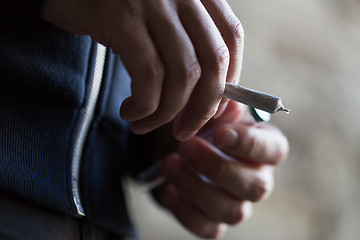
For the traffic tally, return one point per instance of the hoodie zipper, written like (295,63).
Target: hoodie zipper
(85,123)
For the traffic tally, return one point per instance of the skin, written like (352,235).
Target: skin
(179,54)
(238,159)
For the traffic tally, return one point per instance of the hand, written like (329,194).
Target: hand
(178,53)
(239,163)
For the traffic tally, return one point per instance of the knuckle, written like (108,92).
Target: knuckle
(188,74)
(153,73)
(193,72)
(219,60)
(236,30)
(222,56)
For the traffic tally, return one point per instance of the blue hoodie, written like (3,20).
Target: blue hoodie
(63,145)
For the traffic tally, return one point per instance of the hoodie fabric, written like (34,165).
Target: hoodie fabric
(46,75)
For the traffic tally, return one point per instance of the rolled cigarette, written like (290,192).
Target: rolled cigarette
(253,98)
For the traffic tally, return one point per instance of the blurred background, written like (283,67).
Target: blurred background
(308,53)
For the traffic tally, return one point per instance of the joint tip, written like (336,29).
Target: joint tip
(284,110)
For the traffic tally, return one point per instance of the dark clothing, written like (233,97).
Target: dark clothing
(54,150)
(22,221)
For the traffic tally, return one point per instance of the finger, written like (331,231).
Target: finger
(233,114)
(239,179)
(181,66)
(147,72)
(213,57)
(212,201)
(233,34)
(190,217)
(264,145)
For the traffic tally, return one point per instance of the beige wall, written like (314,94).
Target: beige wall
(308,53)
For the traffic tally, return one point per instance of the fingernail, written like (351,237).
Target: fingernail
(228,138)
(247,209)
(221,230)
